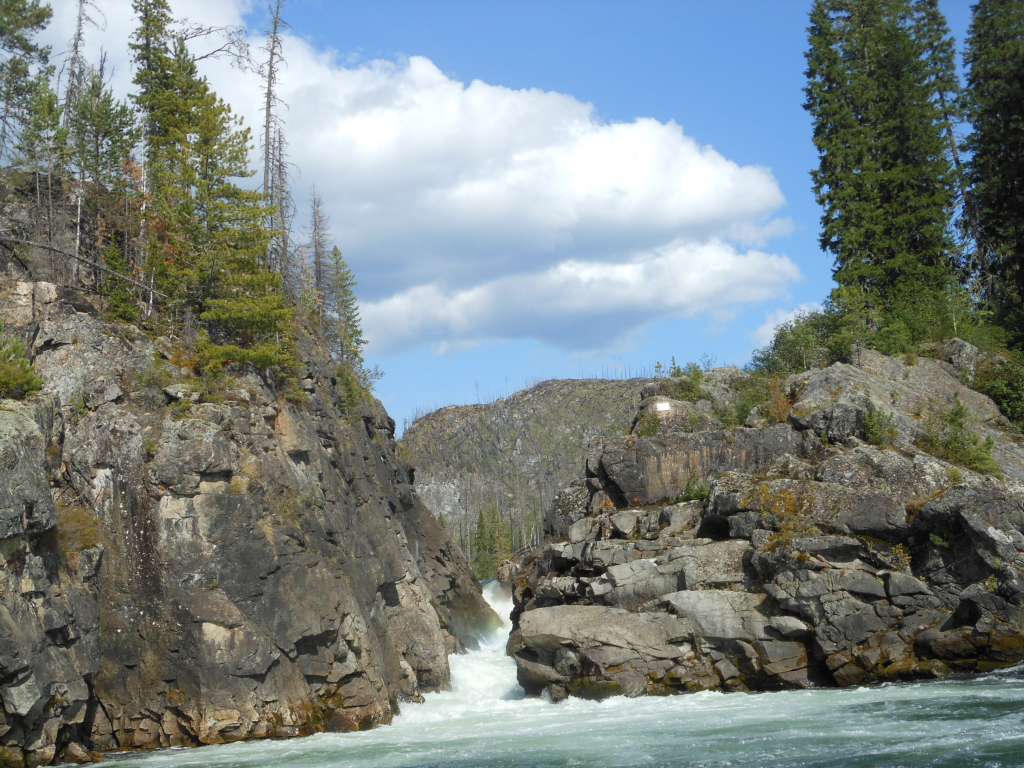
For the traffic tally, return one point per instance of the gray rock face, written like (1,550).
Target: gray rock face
(235,567)
(815,560)
(516,451)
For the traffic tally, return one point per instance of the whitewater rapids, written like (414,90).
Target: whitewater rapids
(485,720)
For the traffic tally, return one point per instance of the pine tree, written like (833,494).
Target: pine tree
(275,162)
(21,60)
(994,105)
(319,240)
(501,547)
(42,145)
(876,69)
(940,56)
(483,550)
(77,69)
(102,135)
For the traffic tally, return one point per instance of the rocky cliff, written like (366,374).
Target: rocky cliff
(516,452)
(188,563)
(813,558)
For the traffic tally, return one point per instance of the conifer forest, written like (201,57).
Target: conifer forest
(151,205)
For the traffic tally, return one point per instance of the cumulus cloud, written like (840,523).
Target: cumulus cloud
(475,212)
(581,304)
(766,331)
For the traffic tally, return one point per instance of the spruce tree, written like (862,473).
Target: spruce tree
(343,328)
(994,105)
(483,547)
(151,52)
(875,72)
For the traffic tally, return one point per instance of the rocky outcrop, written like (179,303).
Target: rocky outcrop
(806,557)
(188,563)
(515,452)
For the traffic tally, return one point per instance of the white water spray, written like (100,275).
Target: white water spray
(485,721)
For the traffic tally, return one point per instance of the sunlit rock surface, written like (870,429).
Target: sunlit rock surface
(809,559)
(183,567)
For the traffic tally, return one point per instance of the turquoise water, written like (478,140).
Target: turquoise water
(486,721)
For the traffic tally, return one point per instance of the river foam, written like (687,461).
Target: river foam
(485,720)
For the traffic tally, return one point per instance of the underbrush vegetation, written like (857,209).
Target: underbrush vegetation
(17,376)
(850,321)
(948,436)
(1001,377)
(687,382)
(697,489)
(648,425)
(878,426)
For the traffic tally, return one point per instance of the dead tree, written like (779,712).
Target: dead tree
(274,163)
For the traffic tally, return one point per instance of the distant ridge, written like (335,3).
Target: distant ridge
(513,453)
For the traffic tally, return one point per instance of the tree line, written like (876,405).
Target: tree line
(921,185)
(144,202)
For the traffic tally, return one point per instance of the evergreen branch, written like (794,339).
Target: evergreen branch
(62,252)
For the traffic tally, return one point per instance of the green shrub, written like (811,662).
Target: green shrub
(948,436)
(697,489)
(763,390)
(809,340)
(687,382)
(182,409)
(853,319)
(1003,381)
(878,426)
(17,376)
(649,424)
(350,393)
(291,390)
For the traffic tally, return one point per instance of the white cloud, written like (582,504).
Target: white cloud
(581,304)
(473,212)
(766,331)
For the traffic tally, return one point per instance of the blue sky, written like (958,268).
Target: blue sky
(505,232)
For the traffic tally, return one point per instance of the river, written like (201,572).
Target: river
(486,721)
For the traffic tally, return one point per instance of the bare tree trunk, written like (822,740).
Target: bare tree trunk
(78,241)
(272,136)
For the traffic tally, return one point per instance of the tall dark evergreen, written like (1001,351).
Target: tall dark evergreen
(208,235)
(151,51)
(343,329)
(878,74)
(994,105)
